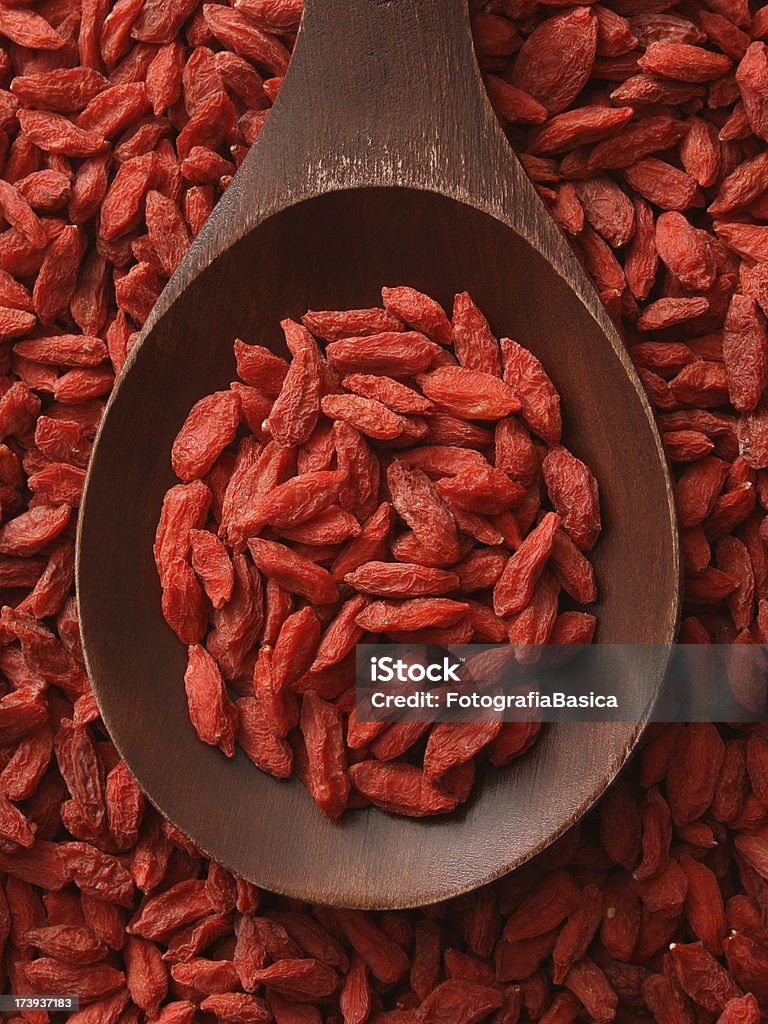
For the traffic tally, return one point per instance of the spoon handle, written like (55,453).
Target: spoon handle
(386,91)
(381,94)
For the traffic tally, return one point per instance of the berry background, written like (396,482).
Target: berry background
(643,124)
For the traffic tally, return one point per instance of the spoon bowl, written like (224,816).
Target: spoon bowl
(317,219)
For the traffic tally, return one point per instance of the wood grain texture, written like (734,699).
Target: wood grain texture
(381,163)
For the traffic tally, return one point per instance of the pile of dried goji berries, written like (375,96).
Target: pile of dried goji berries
(643,122)
(382,489)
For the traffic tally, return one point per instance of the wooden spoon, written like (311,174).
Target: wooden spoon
(381,163)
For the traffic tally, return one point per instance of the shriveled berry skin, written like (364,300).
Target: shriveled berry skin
(488,491)
(400,788)
(684,62)
(540,403)
(398,579)
(367,415)
(392,353)
(269,752)
(331,325)
(418,311)
(745,353)
(211,711)
(213,566)
(556,60)
(686,251)
(297,407)
(418,504)
(185,508)
(469,394)
(299,499)
(390,392)
(294,572)
(574,493)
(183,607)
(514,589)
(328,781)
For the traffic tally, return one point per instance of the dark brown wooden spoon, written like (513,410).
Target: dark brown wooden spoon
(381,163)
